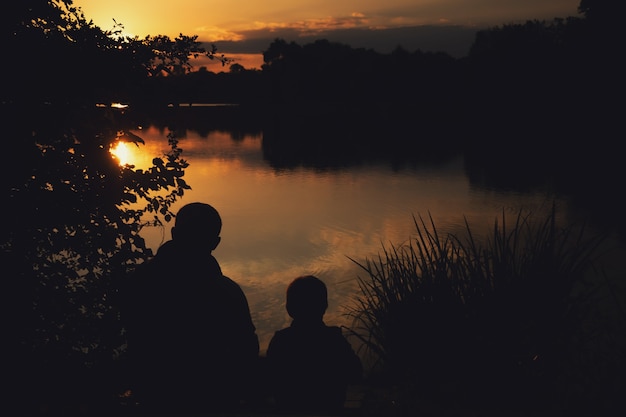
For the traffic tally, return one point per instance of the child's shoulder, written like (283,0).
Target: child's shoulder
(334,330)
(332,333)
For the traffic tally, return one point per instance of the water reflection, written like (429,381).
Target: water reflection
(279,224)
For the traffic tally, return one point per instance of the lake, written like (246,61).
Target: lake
(280,223)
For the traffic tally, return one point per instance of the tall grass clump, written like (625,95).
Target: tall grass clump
(489,320)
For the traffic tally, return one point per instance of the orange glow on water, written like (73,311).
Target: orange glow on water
(279,224)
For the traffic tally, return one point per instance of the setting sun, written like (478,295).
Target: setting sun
(247,28)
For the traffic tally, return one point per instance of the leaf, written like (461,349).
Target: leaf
(130,137)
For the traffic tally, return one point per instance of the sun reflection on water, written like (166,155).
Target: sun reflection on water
(139,148)
(122,152)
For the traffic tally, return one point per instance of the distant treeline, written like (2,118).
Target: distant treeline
(512,62)
(539,77)
(60,56)
(526,96)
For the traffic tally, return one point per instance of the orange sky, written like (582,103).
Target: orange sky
(247,27)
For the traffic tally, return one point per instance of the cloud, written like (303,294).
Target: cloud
(217,34)
(433,26)
(454,40)
(313,26)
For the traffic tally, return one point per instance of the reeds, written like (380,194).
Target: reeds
(477,318)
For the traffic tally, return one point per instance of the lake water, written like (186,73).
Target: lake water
(282,223)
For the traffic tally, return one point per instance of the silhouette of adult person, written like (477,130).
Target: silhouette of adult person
(310,364)
(192,344)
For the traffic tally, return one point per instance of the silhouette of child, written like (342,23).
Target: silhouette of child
(310,364)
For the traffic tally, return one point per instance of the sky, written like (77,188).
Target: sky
(243,29)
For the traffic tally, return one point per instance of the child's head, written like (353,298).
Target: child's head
(307,298)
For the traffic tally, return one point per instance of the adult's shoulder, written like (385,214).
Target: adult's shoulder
(167,248)
(229,283)
(334,329)
(157,262)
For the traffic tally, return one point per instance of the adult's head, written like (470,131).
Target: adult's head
(307,298)
(197,225)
